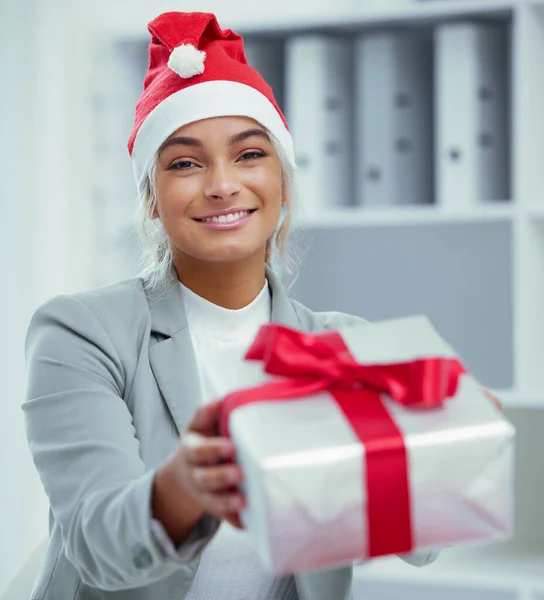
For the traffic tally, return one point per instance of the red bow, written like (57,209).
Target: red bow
(310,363)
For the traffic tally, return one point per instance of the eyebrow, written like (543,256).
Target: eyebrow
(196,143)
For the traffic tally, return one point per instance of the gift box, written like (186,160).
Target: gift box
(367,441)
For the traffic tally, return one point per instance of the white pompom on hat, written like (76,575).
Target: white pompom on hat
(187,61)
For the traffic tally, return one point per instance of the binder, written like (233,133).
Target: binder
(393,116)
(319,99)
(472,123)
(267,57)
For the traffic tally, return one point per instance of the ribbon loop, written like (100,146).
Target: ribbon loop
(324,356)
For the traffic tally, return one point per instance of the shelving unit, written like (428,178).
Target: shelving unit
(522,216)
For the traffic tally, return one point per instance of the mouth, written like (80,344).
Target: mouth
(226,220)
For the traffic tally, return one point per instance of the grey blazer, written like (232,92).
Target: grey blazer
(111,385)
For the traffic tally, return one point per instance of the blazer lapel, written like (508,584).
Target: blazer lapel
(282,308)
(172,357)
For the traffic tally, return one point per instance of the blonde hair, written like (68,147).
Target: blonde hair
(157,247)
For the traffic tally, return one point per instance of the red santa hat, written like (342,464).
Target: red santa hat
(198,71)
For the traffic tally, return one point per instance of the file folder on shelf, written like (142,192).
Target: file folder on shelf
(319,97)
(394,119)
(267,56)
(472,120)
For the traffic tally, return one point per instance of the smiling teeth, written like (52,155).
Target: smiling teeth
(226,218)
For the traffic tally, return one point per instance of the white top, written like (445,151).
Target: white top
(230,568)
(221,338)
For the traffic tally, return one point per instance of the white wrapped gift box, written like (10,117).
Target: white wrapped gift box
(306,476)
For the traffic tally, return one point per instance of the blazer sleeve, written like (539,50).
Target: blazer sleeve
(83,443)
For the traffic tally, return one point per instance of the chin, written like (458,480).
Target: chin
(223,251)
(232,255)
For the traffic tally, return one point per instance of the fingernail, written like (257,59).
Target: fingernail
(192,440)
(234,476)
(227,451)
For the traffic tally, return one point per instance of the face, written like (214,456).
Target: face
(219,189)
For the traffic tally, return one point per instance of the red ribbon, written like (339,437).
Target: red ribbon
(310,363)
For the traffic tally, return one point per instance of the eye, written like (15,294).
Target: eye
(253,155)
(181,165)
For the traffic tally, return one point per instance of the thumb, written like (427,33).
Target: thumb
(206,419)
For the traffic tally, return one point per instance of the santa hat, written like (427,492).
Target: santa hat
(198,71)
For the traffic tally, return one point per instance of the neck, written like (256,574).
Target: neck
(230,285)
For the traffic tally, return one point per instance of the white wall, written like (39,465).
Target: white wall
(22,507)
(42,246)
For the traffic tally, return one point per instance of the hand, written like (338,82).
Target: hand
(201,477)
(206,465)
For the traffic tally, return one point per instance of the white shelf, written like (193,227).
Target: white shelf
(404,215)
(112,17)
(520,399)
(361,16)
(384,16)
(474,566)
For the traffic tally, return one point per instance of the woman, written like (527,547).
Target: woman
(119,418)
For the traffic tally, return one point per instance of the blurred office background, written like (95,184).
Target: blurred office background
(419,131)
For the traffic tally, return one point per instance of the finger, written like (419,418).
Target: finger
(200,451)
(223,505)
(206,419)
(493,399)
(217,479)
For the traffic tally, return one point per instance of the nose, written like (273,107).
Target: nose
(222,182)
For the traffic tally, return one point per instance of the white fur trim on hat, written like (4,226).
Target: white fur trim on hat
(204,101)
(187,61)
